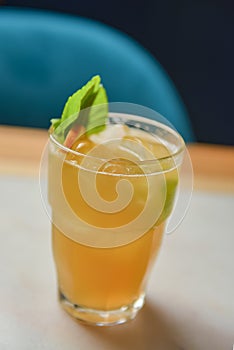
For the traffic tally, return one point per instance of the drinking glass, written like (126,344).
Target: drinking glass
(110,206)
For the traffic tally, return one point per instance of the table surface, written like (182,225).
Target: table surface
(190,298)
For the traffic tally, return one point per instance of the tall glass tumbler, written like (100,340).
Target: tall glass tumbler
(110,199)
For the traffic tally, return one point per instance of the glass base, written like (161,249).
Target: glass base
(102,317)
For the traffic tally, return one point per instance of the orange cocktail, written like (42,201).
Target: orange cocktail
(111,195)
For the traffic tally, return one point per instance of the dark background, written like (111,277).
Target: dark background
(192,39)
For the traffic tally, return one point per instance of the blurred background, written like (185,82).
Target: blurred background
(192,39)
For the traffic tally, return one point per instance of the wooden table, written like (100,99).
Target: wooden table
(190,303)
(21,150)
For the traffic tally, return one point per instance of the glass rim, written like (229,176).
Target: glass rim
(152,122)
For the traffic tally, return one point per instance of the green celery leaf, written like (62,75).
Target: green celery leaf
(78,110)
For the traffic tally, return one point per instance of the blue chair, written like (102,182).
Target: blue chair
(45,57)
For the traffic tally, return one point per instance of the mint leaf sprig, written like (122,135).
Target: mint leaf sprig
(78,114)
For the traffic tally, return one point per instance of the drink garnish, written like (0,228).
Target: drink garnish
(79,116)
